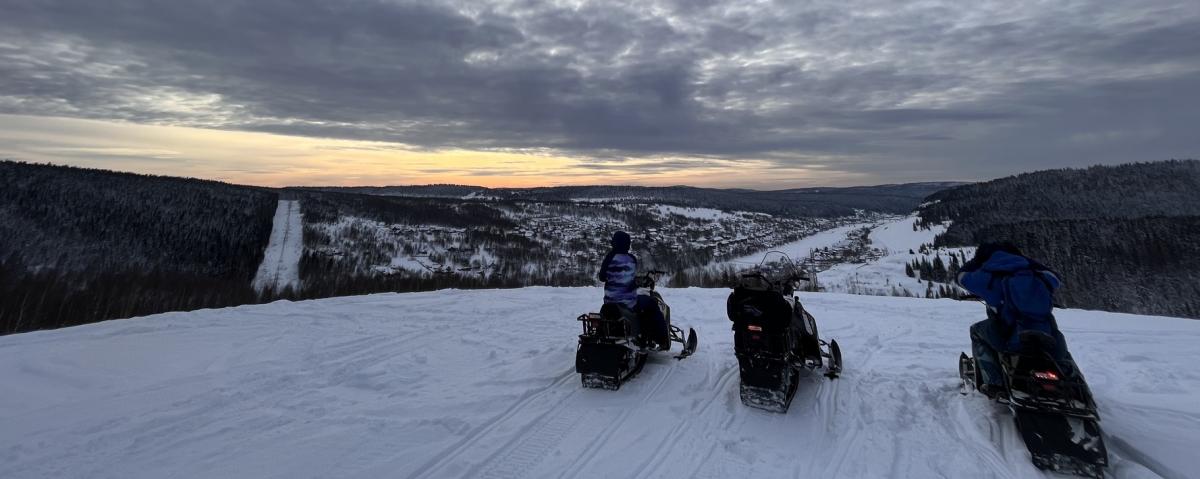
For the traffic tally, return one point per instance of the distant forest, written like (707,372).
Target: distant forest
(351,239)
(81,245)
(1124,238)
(797,202)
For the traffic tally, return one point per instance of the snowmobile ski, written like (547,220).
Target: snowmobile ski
(966,372)
(833,353)
(689,344)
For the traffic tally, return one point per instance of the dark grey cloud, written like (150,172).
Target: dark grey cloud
(899,91)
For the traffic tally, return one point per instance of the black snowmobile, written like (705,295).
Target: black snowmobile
(774,337)
(609,353)
(1051,405)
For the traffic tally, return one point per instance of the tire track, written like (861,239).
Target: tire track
(532,447)
(466,443)
(657,458)
(965,433)
(581,462)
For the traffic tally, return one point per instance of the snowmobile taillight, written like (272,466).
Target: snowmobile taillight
(1046,375)
(754,327)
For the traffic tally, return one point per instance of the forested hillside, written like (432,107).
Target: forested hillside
(799,202)
(1125,238)
(357,243)
(80,245)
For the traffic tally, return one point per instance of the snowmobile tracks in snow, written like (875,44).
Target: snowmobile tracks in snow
(581,462)
(536,437)
(449,384)
(685,429)
(452,458)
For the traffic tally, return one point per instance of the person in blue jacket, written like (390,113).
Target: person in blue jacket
(618,272)
(1019,293)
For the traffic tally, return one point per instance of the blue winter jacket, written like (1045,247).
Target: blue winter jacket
(1020,290)
(619,284)
(618,271)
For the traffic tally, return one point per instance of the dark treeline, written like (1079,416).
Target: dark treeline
(1124,238)
(81,245)
(325,207)
(1143,265)
(800,202)
(1135,190)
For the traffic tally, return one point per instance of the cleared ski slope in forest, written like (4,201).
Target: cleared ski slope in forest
(481,384)
(280,267)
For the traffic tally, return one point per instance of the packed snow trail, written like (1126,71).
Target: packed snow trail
(481,384)
(280,266)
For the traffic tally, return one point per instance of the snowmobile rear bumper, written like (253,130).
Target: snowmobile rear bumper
(607,365)
(767,383)
(1065,444)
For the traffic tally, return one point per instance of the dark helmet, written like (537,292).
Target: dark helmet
(620,242)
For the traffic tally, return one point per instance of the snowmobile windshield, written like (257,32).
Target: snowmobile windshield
(775,271)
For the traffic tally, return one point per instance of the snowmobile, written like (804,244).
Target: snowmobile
(1051,404)
(775,338)
(610,352)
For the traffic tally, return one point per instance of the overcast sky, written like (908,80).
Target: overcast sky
(739,93)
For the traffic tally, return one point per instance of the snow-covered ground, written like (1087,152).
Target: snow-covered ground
(698,213)
(481,384)
(280,267)
(885,276)
(800,249)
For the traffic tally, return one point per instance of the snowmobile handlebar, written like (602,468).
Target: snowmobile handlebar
(649,279)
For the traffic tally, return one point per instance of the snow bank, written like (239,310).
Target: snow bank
(481,384)
(280,267)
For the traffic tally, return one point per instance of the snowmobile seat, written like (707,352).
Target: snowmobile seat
(617,320)
(1034,342)
(765,308)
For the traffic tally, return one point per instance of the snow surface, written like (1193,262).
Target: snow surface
(885,276)
(481,384)
(898,236)
(280,267)
(694,213)
(799,250)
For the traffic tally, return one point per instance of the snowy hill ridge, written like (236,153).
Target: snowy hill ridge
(481,384)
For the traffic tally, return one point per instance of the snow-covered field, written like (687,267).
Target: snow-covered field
(280,267)
(885,276)
(481,384)
(800,249)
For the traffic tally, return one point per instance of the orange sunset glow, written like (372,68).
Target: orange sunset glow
(266,159)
